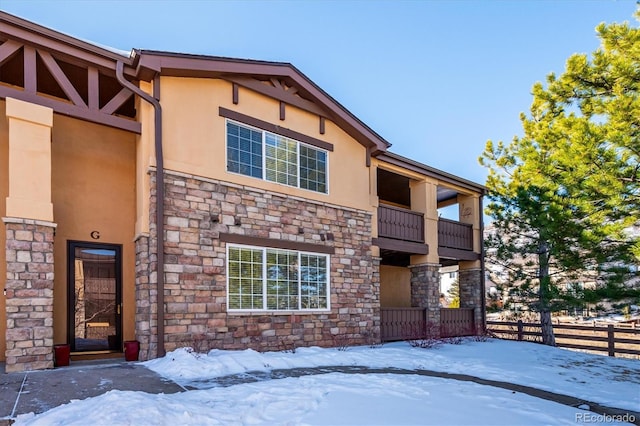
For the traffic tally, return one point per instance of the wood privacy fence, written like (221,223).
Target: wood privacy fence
(404,323)
(610,339)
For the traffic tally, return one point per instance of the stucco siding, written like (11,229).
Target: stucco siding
(194,136)
(93,189)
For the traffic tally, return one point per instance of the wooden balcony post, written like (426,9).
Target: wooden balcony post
(424,199)
(469,212)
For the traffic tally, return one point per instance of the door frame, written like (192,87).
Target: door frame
(71,246)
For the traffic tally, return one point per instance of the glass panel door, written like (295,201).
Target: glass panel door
(94,297)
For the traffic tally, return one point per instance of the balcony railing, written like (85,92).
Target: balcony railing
(455,235)
(405,225)
(400,224)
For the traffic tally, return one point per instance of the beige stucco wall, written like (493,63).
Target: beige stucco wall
(145,151)
(470,212)
(195,139)
(93,189)
(395,287)
(30,160)
(4,193)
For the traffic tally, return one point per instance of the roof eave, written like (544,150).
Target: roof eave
(415,166)
(16,28)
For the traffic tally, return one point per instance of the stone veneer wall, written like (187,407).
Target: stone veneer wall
(471,286)
(29,298)
(425,293)
(146,299)
(195,268)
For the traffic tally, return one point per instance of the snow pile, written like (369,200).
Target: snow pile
(609,381)
(369,399)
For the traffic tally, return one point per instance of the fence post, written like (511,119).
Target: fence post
(425,327)
(611,340)
(520,331)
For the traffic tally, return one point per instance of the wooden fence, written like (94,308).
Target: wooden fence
(456,322)
(404,323)
(610,339)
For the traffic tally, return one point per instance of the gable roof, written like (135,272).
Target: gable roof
(280,80)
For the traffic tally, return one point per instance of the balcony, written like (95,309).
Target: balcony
(402,230)
(455,240)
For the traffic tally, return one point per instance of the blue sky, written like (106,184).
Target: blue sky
(437,79)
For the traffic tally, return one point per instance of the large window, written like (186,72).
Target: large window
(276,280)
(264,155)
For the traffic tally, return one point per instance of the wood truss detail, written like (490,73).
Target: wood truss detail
(278,89)
(79,89)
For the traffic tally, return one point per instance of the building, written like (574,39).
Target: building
(276,217)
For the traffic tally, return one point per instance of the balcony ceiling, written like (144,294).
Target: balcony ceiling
(445,194)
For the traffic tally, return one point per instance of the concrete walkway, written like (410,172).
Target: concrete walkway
(39,391)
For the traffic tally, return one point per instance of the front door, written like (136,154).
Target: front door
(94,296)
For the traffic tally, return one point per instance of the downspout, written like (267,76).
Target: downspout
(159,198)
(483,286)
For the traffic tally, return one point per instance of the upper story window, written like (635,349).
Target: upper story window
(264,155)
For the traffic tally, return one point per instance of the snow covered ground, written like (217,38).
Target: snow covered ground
(369,399)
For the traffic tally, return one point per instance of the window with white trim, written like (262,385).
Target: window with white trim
(264,155)
(265,279)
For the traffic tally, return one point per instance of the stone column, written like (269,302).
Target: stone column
(29,238)
(29,299)
(145,301)
(471,288)
(147,283)
(425,293)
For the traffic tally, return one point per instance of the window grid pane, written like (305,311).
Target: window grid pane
(281,159)
(244,150)
(282,280)
(313,167)
(245,278)
(313,281)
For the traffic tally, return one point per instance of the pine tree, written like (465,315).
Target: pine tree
(563,196)
(454,294)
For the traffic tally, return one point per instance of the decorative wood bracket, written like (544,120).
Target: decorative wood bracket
(41,71)
(278,89)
